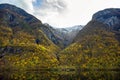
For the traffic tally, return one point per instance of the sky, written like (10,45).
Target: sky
(64,13)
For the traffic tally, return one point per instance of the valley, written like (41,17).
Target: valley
(26,43)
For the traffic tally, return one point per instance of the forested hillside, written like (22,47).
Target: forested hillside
(23,44)
(27,43)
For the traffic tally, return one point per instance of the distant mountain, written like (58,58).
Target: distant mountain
(62,36)
(68,34)
(69,29)
(97,45)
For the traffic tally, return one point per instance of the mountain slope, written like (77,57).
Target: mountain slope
(110,17)
(95,46)
(22,42)
(17,18)
(14,16)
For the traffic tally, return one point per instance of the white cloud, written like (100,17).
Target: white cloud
(64,13)
(75,12)
(51,10)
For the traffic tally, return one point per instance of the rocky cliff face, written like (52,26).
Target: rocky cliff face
(110,17)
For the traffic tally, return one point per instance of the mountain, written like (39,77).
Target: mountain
(14,16)
(62,36)
(50,33)
(110,17)
(23,40)
(17,18)
(67,34)
(97,45)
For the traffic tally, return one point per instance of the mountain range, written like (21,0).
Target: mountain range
(27,43)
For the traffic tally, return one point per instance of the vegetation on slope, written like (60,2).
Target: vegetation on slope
(96,49)
(23,43)
(20,50)
(26,43)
